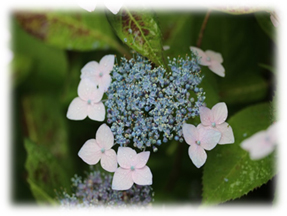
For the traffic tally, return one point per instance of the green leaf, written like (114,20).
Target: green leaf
(45,173)
(268,67)
(265,23)
(140,31)
(243,89)
(49,65)
(68,31)
(229,173)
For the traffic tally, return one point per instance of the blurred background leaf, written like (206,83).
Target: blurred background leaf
(77,31)
(229,173)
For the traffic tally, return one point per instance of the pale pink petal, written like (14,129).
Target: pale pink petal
(265,149)
(274,20)
(189,132)
(202,56)
(87,5)
(208,137)
(217,68)
(214,56)
(219,112)
(109,160)
(197,155)
(141,159)
(114,6)
(142,176)
(122,179)
(78,109)
(90,152)
(126,157)
(227,136)
(88,91)
(90,69)
(104,82)
(206,116)
(254,141)
(272,133)
(105,137)
(97,111)
(107,64)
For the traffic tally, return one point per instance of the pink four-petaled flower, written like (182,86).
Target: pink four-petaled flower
(99,73)
(132,169)
(100,149)
(262,143)
(88,103)
(215,119)
(211,59)
(199,139)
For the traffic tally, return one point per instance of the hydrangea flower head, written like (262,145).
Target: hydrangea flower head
(147,106)
(100,149)
(199,139)
(95,191)
(211,59)
(99,73)
(132,169)
(215,119)
(261,143)
(88,103)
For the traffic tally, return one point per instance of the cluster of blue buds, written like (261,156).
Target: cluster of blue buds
(96,191)
(147,106)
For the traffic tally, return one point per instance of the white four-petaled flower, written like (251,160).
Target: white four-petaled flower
(132,169)
(100,149)
(211,59)
(199,139)
(215,119)
(88,103)
(261,143)
(99,73)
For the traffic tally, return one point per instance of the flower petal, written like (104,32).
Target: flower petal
(114,6)
(227,136)
(201,55)
(105,82)
(122,179)
(105,137)
(97,111)
(214,56)
(142,176)
(87,6)
(78,109)
(217,68)
(197,155)
(272,133)
(109,160)
(90,152)
(90,69)
(265,149)
(189,132)
(107,64)
(87,90)
(141,159)
(253,141)
(219,112)
(208,137)
(206,116)
(126,157)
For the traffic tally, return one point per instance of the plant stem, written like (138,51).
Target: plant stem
(203,26)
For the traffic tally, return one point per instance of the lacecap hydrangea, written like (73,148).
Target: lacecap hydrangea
(148,105)
(95,191)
